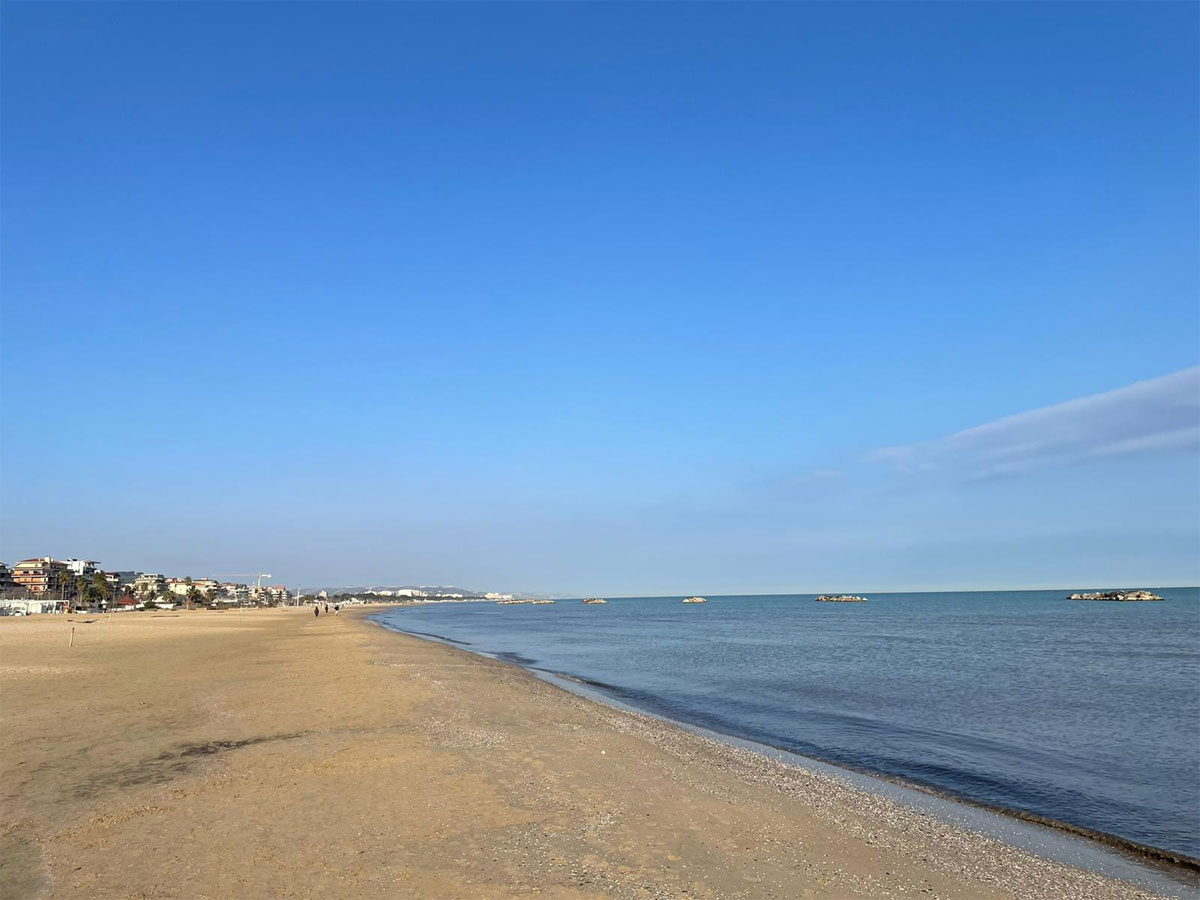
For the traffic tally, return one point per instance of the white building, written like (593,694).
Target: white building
(233,592)
(81,567)
(278,593)
(15,607)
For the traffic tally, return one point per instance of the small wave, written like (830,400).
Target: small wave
(579,679)
(429,634)
(440,637)
(513,657)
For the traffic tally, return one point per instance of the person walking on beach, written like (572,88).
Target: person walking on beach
(316,610)
(337,609)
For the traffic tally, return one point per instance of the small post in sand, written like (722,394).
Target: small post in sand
(72,644)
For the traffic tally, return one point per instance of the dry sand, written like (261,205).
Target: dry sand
(272,754)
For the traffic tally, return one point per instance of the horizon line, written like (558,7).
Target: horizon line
(572,596)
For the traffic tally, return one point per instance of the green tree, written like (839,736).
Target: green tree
(87,592)
(191,596)
(100,588)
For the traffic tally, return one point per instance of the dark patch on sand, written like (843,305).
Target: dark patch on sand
(168,765)
(21,871)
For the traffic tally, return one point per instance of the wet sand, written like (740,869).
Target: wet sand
(273,754)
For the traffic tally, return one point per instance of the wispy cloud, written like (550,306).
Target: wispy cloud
(1155,416)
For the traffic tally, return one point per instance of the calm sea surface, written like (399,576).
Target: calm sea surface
(1085,712)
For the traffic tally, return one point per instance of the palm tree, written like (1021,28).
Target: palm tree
(79,590)
(99,587)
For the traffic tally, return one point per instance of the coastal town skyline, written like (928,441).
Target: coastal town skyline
(66,582)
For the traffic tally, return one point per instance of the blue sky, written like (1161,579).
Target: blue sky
(604,298)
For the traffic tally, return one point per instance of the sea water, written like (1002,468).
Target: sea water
(1083,712)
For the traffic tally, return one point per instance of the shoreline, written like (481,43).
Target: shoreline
(277,754)
(1159,867)
(1141,854)
(1177,869)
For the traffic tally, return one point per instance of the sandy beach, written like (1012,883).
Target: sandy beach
(273,754)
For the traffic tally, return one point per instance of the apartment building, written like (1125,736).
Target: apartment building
(278,593)
(181,586)
(80,567)
(149,583)
(41,574)
(235,592)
